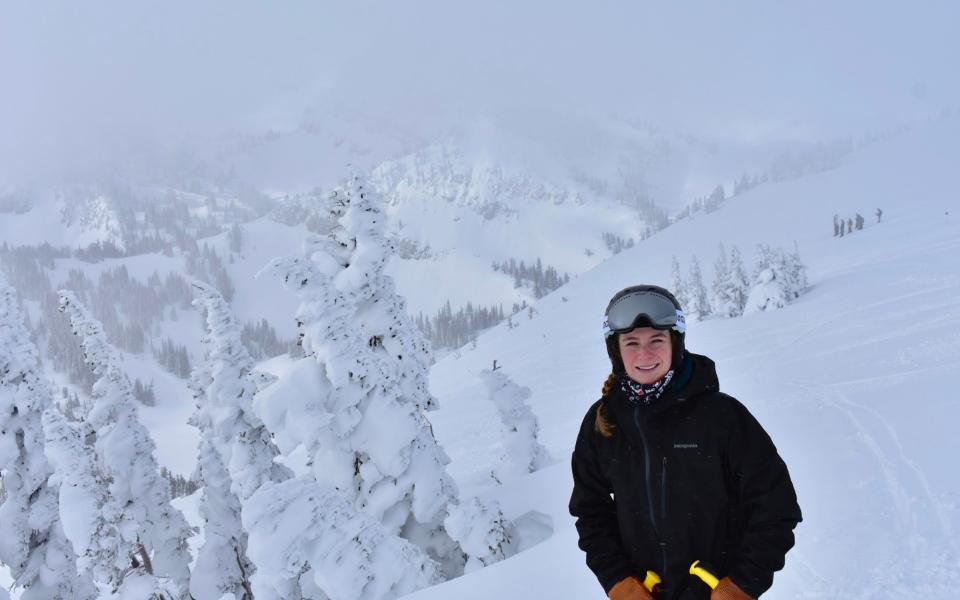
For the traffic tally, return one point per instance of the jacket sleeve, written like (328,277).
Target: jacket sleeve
(769,501)
(593,506)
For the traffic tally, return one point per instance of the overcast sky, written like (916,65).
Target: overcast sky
(100,78)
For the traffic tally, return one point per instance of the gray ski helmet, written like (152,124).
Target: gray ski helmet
(643,306)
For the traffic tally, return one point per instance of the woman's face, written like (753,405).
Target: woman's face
(646,354)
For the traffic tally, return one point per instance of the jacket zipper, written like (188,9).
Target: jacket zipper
(648,479)
(663,510)
(647,472)
(663,490)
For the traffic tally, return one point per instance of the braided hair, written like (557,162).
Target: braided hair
(602,424)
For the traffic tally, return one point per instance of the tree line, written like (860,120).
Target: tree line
(778,277)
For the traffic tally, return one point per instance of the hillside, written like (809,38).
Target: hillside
(849,379)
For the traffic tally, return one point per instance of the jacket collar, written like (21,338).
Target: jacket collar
(697,376)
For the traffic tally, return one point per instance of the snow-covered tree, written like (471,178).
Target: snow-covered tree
(739,283)
(379,447)
(522,451)
(236,453)
(678,285)
(723,294)
(482,531)
(779,278)
(222,566)
(699,305)
(92,523)
(767,293)
(363,427)
(729,284)
(152,533)
(235,237)
(33,544)
(303,531)
(796,273)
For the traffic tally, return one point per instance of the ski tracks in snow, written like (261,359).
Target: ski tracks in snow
(926,567)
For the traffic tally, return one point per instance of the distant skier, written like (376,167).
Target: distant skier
(859,221)
(667,470)
(849,225)
(836,225)
(879,215)
(843,225)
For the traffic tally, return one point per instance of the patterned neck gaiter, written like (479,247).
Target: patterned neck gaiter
(644,393)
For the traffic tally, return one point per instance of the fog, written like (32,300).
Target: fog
(91,85)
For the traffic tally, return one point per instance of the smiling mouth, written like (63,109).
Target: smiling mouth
(646,367)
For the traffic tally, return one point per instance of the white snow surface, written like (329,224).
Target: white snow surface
(850,380)
(58,220)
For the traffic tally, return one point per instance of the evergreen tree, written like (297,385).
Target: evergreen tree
(716,198)
(235,237)
(144,393)
(481,531)
(261,340)
(452,330)
(174,357)
(796,273)
(209,267)
(522,451)
(739,284)
(700,306)
(365,431)
(319,532)
(151,532)
(33,543)
(767,292)
(742,184)
(542,280)
(179,485)
(103,556)
(222,566)
(378,564)
(778,279)
(679,285)
(788,269)
(723,293)
(236,452)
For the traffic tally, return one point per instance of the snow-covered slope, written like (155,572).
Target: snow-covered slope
(79,221)
(466,210)
(851,380)
(256,299)
(129,217)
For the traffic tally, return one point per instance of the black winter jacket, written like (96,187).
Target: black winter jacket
(692,476)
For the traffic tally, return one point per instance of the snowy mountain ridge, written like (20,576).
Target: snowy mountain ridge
(444,172)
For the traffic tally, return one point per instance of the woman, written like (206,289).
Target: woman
(668,470)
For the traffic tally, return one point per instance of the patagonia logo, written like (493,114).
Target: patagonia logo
(686,446)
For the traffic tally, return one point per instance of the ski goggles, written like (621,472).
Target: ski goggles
(626,311)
